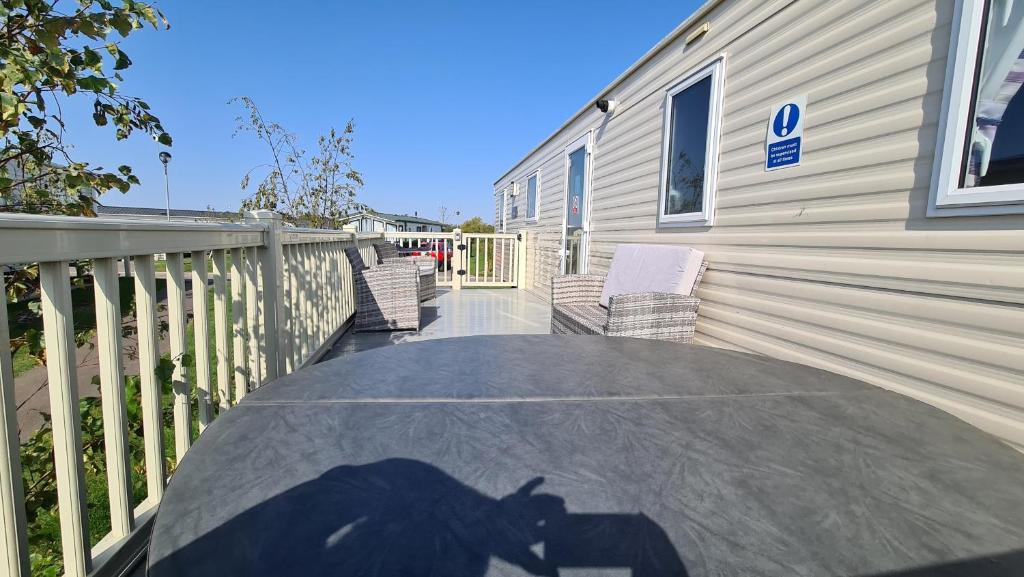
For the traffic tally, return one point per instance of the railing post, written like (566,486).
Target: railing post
(112,394)
(521,253)
(176,335)
(458,263)
(271,267)
(149,354)
(13,530)
(69,471)
(239,328)
(201,328)
(220,327)
(252,320)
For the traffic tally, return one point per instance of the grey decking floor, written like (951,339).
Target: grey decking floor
(459,314)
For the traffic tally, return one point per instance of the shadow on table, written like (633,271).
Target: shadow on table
(406,518)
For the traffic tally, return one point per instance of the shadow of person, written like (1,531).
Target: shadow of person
(401,517)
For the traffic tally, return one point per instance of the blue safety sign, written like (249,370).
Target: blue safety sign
(784,144)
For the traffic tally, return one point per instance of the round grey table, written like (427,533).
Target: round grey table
(547,455)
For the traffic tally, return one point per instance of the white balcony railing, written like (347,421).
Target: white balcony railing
(288,290)
(485,259)
(440,245)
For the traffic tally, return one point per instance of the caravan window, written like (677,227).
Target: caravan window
(980,161)
(690,149)
(532,184)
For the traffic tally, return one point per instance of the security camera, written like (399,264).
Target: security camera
(606,106)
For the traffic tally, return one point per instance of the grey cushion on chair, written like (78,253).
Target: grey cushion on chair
(652,268)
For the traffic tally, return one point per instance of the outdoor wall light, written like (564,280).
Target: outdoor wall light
(606,106)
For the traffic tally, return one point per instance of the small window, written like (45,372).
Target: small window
(979,164)
(690,149)
(532,190)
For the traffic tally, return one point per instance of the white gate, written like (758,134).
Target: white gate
(489,260)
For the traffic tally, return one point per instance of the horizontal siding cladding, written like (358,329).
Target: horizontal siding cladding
(900,341)
(545,234)
(833,263)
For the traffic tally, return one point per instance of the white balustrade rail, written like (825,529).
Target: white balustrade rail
(317,292)
(440,245)
(468,259)
(289,291)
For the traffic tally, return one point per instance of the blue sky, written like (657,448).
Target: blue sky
(446,95)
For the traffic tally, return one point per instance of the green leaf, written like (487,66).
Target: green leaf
(121,23)
(148,14)
(165,369)
(93,83)
(122,61)
(164,139)
(91,58)
(8,104)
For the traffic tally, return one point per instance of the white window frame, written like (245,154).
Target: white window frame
(946,196)
(587,144)
(513,202)
(536,199)
(706,217)
(503,216)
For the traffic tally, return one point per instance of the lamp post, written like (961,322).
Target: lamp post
(165,158)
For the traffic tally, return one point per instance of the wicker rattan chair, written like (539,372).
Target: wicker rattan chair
(387,297)
(387,253)
(576,309)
